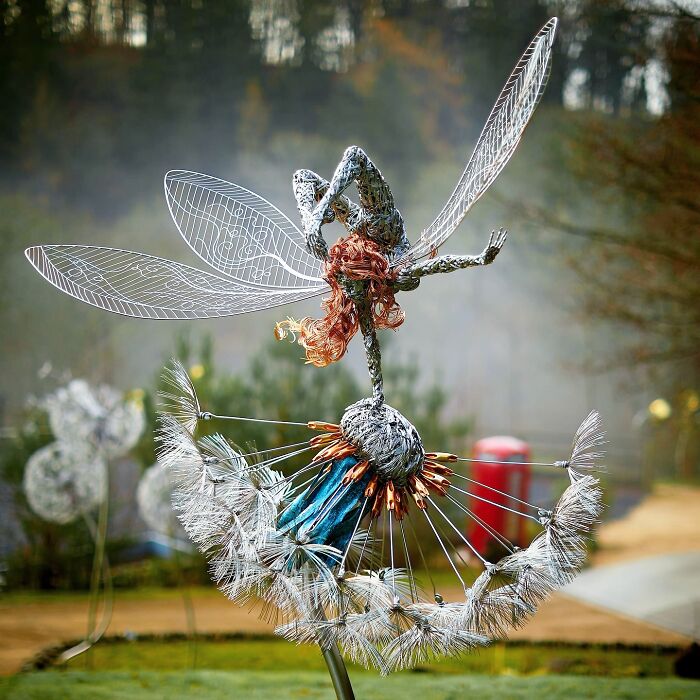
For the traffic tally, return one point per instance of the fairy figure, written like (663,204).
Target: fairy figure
(367,268)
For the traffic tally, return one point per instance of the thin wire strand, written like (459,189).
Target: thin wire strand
(381,556)
(335,497)
(357,524)
(364,545)
(391,550)
(297,488)
(456,529)
(505,542)
(291,477)
(372,559)
(273,449)
(281,458)
(295,521)
(411,580)
(491,488)
(250,420)
(420,551)
(498,505)
(444,549)
(315,476)
(448,539)
(497,461)
(252,468)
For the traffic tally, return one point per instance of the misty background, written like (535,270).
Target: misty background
(101,97)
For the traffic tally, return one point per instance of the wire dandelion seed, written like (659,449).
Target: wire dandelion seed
(334,550)
(180,400)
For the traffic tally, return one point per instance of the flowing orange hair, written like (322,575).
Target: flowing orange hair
(326,339)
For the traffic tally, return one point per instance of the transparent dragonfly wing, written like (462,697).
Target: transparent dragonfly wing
(144,286)
(498,140)
(239,233)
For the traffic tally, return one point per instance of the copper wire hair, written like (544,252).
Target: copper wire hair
(325,340)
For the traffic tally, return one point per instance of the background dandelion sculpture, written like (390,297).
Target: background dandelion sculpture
(69,478)
(327,549)
(154,498)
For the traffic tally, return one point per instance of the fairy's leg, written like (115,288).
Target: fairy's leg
(384,223)
(373,352)
(309,188)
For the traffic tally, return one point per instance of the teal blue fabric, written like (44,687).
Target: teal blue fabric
(336,524)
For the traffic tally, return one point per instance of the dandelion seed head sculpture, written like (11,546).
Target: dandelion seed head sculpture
(96,416)
(333,549)
(297,543)
(154,496)
(63,481)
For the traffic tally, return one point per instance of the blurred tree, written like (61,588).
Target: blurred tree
(28,47)
(99,96)
(604,41)
(644,274)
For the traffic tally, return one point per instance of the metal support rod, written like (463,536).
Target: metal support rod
(338,673)
(97,566)
(94,632)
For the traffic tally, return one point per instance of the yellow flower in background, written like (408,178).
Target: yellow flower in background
(660,409)
(136,396)
(692,402)
(197,371)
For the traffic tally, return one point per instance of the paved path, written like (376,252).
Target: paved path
(662,590)
(28,626)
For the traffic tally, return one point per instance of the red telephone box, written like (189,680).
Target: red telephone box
(512,479)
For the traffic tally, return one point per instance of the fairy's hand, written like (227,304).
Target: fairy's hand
(315,242)
(493,248)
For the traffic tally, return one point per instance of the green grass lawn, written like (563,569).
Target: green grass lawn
(265,667)
(268,668)
(273,654)
(251,685)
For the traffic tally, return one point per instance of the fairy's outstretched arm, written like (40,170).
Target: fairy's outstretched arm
(409,277)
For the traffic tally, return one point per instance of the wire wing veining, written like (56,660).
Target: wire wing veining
(239,233)
(497,142)
(144,286)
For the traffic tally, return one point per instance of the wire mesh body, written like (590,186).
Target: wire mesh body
(263,260)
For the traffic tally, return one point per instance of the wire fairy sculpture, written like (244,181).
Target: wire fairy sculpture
(329,546)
